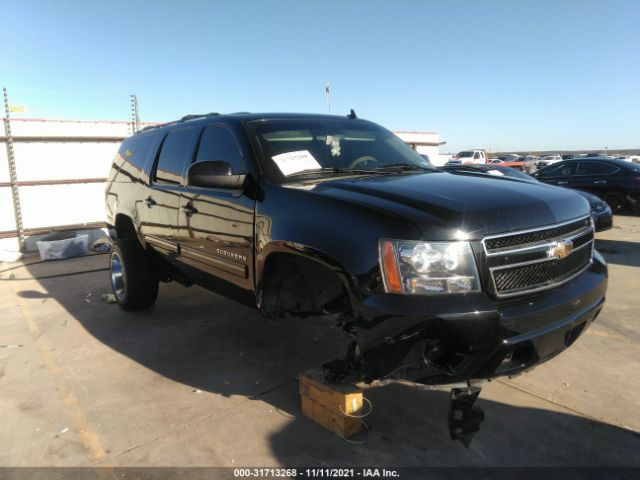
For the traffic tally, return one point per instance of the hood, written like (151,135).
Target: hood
(441,204)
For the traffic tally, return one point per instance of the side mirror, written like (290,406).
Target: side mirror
(214,174)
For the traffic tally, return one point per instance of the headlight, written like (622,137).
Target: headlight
(428,268)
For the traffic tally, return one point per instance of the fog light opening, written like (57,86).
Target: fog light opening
(445,359)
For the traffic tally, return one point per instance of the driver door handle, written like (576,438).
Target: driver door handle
(149,201)
(600,181)
(562,183)
(189,209)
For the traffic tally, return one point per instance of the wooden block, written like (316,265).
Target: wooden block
(330,404)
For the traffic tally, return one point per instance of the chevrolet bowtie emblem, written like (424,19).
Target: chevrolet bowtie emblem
(560,249)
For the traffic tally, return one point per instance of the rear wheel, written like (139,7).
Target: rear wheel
(134,279)
(615,200)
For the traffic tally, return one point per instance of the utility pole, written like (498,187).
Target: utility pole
(327,90)
(13,176)
(135,117)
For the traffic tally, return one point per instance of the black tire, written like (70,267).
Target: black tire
(134,279)
(615,200)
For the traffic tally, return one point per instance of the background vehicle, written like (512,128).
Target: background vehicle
(548,160)
(531,163)
(629,158)
(471,156)
(600,211)
(615,181)
(514,161)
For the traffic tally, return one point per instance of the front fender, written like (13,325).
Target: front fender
(340,234)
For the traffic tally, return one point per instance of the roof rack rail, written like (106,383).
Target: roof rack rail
(183,119)
(198,115)
(151,127)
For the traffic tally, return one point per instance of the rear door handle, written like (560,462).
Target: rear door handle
(149,201)
(600,181)
(189,209)
(562,183)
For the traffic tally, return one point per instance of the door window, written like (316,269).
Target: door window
(219,143)
(174,151)
(560,170)
(596,168)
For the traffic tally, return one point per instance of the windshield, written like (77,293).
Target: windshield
(465,154)
(329,147)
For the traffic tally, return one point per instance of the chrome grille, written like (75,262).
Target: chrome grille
(538,259)
(541,272)
(531,236)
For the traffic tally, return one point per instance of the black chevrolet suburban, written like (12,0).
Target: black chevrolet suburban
(438,278)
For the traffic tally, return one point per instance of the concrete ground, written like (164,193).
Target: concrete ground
(201,381)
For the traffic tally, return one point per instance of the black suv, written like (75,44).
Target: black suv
(615,181)
(437,278)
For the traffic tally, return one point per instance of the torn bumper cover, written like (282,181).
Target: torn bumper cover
(439,341)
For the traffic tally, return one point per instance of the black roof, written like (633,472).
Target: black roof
(613,161)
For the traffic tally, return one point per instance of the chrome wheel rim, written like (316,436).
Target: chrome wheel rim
(117,276)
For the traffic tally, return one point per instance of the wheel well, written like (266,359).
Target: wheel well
(124,227)
(299,286)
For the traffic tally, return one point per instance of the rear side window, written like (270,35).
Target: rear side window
(173,154)
(135,150)
(596,168)
(219,143)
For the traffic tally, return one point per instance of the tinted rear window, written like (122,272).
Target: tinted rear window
(136,150)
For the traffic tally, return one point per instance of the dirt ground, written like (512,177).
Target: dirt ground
(201,381)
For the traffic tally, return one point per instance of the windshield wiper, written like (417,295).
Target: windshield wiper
(403,167)
(336,170)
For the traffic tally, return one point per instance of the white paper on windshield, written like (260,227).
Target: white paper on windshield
(495,172)
(293,162)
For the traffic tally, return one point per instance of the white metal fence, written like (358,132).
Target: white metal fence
(61,168)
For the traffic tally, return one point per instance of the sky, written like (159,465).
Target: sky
(502,75)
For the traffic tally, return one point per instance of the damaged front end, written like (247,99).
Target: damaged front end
(471,339)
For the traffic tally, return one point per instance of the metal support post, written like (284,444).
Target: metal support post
(13,177)
(135,117)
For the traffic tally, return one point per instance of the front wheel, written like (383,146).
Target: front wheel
(615,200)
(134,279)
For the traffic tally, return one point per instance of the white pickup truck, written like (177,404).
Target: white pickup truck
(470,156)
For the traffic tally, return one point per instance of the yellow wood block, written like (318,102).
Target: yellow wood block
(330,404)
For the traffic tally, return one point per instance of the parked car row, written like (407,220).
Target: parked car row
(529,163)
